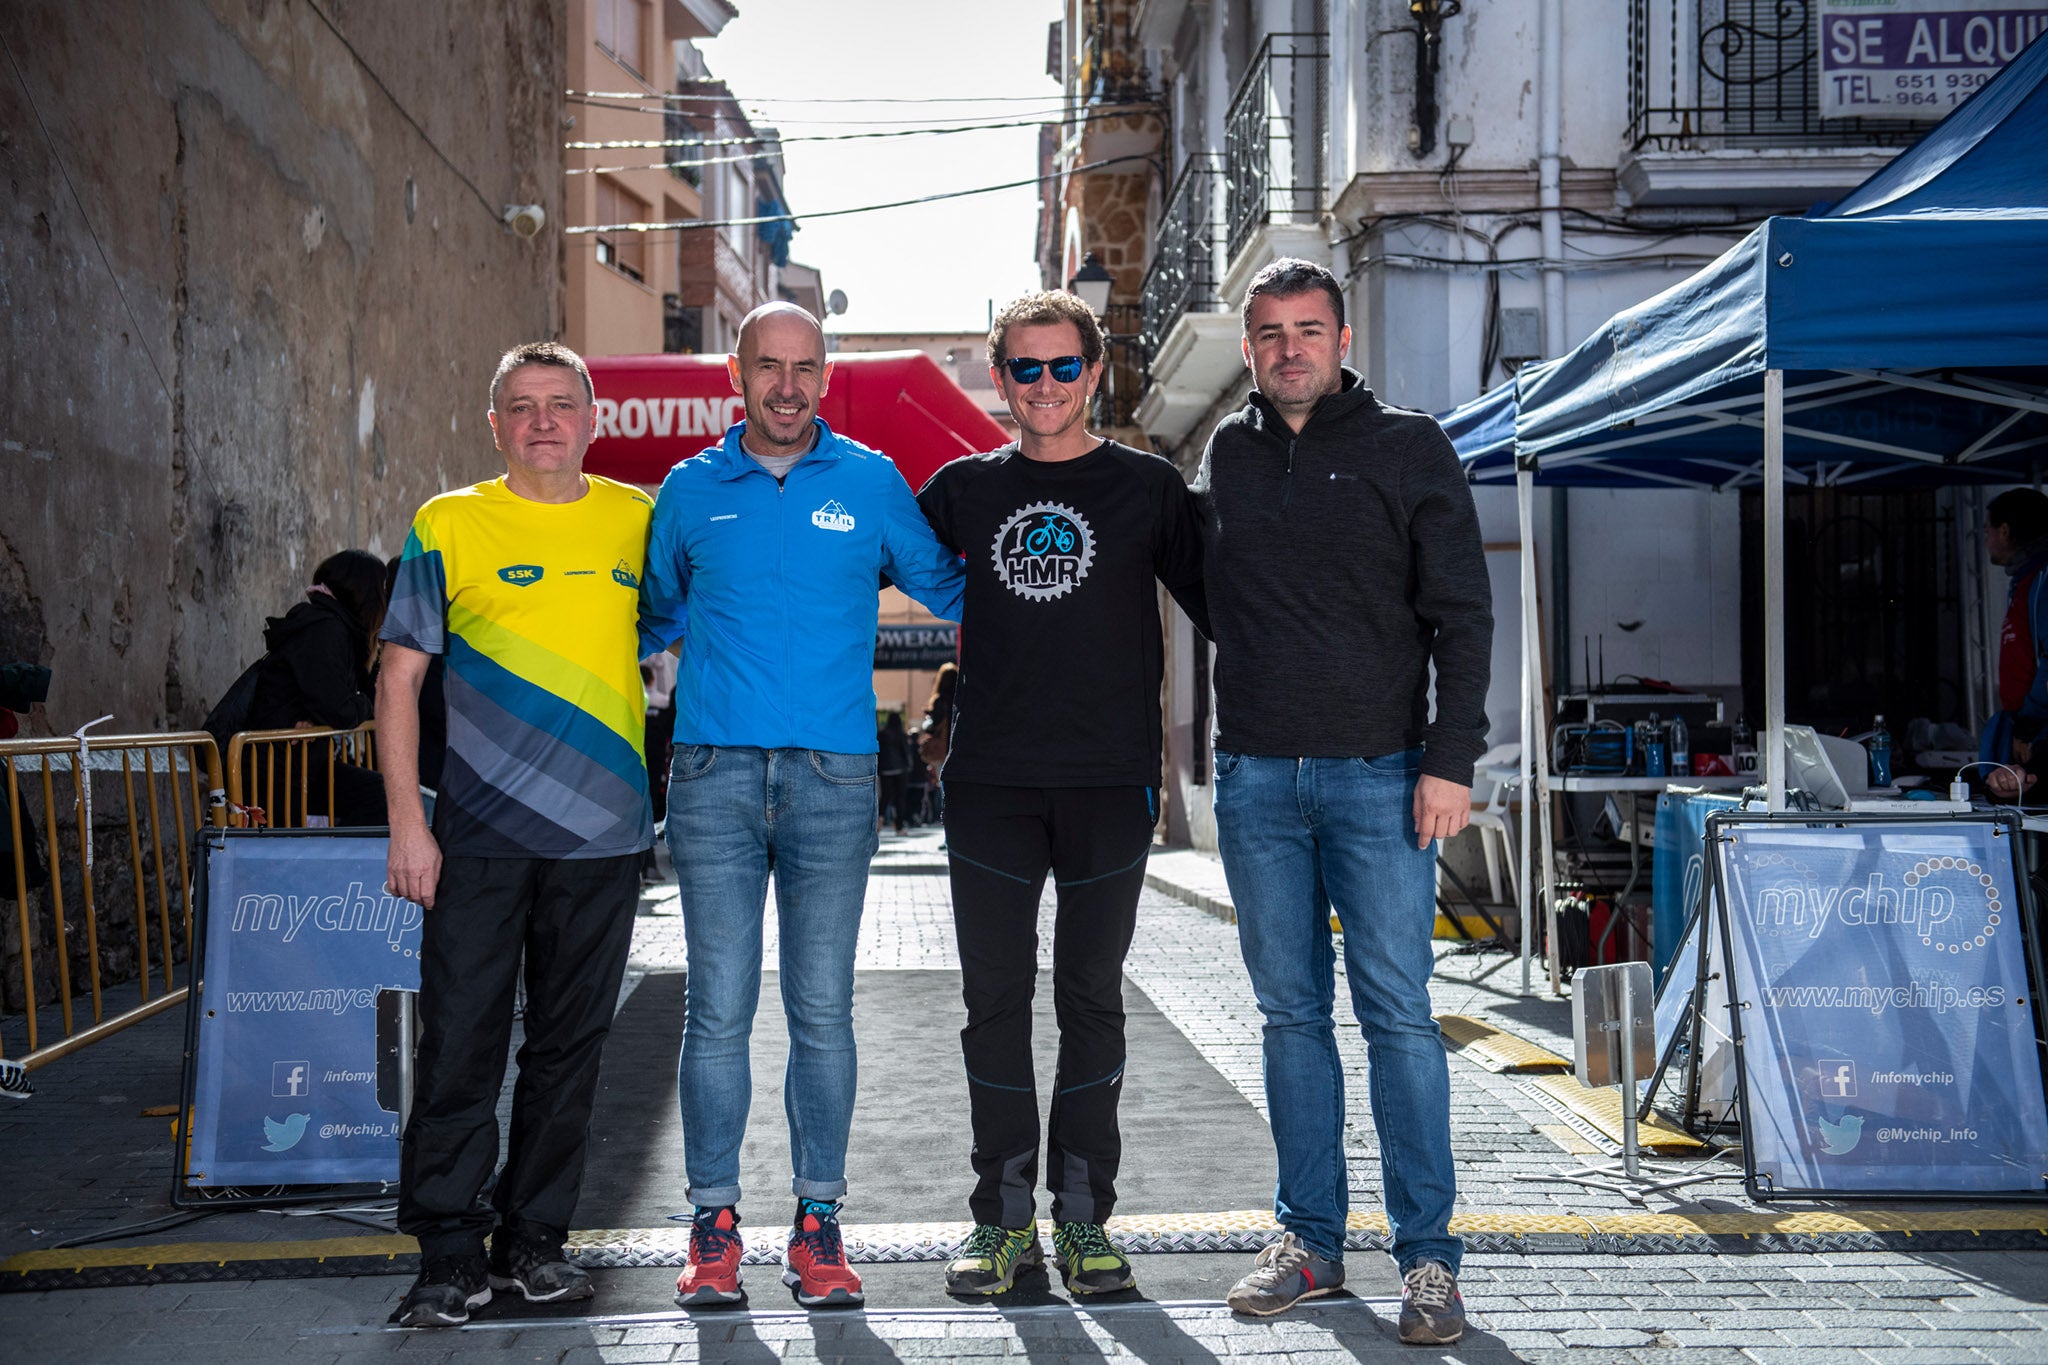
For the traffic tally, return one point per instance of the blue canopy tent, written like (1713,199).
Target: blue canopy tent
(1899,338)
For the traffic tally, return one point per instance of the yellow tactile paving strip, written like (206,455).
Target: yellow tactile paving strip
(1495,1049)
(1602,1109)
(1148,1229)
(221,1253)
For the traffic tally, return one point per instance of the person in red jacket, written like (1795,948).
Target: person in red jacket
(2016,539)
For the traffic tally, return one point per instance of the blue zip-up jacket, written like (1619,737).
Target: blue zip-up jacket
(771,588)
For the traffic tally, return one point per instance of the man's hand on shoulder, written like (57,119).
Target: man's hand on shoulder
(413,869)
(1442,808)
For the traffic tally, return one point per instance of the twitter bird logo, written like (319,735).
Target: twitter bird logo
(1840,1137)
(285,1135)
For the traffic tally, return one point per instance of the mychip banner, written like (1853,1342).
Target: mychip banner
(287,1080)
(1917,59)
(1881,980)
(1678,868)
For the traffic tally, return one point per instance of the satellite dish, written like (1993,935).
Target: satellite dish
(835,303)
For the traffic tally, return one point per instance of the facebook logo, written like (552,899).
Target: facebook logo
(1837,1078)
(290,1079)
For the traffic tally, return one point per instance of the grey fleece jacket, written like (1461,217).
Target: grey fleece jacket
(1339,563)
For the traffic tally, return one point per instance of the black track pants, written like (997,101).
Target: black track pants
(1001,842)
(574,920)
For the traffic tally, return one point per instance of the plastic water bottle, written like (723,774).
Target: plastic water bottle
(1880,746)
(1681,748)
(1653,752)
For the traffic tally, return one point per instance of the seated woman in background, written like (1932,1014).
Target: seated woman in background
(317,673)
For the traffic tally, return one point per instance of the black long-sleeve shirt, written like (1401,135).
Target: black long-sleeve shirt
(1060,655)
(1340,562)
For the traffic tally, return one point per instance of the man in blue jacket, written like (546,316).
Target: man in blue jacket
(763,561)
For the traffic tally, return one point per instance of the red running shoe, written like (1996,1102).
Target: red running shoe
(815,1266)
(713,1274)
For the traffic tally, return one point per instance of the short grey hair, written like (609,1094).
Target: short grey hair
(541,353)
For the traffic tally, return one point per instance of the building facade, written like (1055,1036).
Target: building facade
(1490,183)
(638,76)
(254,277)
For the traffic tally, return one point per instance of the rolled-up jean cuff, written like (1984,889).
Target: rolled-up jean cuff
(817,1189)
(719,1197)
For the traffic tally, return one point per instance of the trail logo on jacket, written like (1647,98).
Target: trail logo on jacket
(1043,551)
(833,516)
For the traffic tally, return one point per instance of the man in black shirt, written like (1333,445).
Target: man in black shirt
(1343,565)
(1053,767)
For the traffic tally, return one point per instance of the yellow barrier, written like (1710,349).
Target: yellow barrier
(275,776)
(180,774)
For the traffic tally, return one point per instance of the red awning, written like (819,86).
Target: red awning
(654,411)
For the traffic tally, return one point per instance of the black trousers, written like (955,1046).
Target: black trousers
(573,920)
(894,789)
(1001,842)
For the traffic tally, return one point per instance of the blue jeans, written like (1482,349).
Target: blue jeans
(1299,837)
(735,816)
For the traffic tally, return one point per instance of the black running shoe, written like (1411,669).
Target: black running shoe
(448,1287)
(537,1269)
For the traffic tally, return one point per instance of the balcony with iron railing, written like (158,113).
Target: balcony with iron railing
(1112,67)
(686,145)
(1736,73)
(1276,137)
(1183,276)
(1187,334)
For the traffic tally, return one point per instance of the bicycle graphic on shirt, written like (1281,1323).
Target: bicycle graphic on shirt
(1052,533)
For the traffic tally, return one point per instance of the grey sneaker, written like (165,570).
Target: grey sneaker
(1432,1310)
(537,1270)
(448,1287)
(1284,1274)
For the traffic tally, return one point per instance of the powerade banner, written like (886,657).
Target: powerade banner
(300,943)
(1889,1028)
(1917,59)
(1678,870)
(920,646)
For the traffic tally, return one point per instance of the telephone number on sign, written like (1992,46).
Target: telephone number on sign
(1942,80)
(1911,97)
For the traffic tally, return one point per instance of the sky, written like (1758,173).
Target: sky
(934,267)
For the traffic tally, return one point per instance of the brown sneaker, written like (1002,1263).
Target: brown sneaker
(1284,1274)
(1432,1310)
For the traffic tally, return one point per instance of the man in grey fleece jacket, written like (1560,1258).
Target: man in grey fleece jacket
(1341,560)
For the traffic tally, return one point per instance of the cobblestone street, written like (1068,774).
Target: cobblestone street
(1534,1305)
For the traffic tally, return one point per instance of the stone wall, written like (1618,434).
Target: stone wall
(253,281)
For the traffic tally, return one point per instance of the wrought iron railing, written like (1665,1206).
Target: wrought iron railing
(1123,369)
(1276,135)
(1184,275)
(1736,73)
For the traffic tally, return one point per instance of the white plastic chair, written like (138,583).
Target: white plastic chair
(1494,777)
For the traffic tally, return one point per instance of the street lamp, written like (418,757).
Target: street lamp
(1091,284)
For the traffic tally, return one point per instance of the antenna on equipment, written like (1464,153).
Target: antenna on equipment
(1586,643)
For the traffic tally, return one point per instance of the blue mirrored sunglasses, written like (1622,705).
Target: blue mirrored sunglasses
(1026,369)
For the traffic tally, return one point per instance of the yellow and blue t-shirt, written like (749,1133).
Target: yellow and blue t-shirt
(534,607)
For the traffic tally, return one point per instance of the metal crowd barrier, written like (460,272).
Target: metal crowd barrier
(274,776)
(54,886)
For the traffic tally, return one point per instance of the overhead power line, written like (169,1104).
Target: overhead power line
(624,144)
(813,99)
(678,225)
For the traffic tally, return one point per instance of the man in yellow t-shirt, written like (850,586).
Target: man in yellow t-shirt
(528,586)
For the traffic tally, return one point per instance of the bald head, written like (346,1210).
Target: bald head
(780,369)
(789,325)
